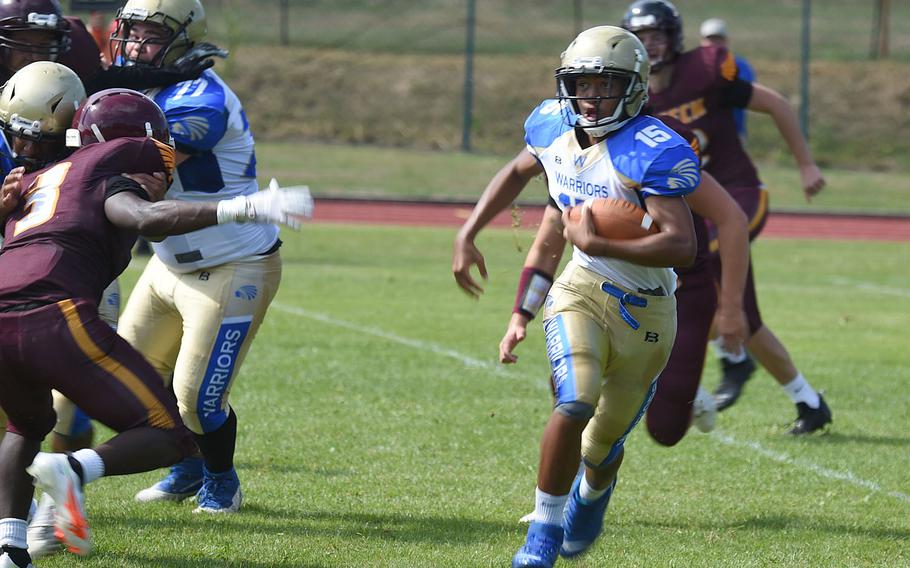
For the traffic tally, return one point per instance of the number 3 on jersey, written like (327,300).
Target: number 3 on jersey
(41,198)
(652,136)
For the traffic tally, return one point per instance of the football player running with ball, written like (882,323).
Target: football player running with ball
(610,318)
(700,88)
(69,229)
(200,301)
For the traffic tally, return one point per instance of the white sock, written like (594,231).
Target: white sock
(549,508)
(12,533)
(718,345)
(587,493)
(800,390)
(92,465)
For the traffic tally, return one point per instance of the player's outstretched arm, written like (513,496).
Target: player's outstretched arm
(673,246)
(771,102)
(502,190)
(712,202)
(128,211)
(540,265)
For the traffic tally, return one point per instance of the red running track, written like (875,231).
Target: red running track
(779,225)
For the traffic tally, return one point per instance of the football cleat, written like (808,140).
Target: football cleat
(15,558)
(731,385)
(220,493)
(54,475)
(42,537)
(704,411)
(810,419)
(540,548)
(184,480)
(583,522)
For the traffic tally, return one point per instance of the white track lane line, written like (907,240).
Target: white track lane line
(847,477)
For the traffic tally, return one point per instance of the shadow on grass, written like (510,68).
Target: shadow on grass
(255,518)
(781,523)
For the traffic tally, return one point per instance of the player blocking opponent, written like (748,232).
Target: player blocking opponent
(201,299)
(69,229)
(610,318)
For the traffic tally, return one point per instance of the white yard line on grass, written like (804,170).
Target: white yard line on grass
(465,360)
(468,361)
(847,476)
(871,287)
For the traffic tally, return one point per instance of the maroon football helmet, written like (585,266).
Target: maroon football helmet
(118,113)
(33,15)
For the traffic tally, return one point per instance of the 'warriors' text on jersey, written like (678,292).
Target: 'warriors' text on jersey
(59,238)
(644,158)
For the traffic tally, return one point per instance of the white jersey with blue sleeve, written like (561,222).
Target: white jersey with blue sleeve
(207,122)
(642,159)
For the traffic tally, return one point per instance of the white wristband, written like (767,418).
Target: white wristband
(236,210)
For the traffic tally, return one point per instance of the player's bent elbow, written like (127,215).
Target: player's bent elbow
(685,249)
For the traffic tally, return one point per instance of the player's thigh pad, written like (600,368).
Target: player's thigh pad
(150,321)
(221,315)
(630,376)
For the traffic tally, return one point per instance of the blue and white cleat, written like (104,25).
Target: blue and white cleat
(220,493)
(540,548)
(583,522)
(184,480)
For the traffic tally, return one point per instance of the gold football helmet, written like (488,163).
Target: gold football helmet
(38,104)
(608,51)
(183,19)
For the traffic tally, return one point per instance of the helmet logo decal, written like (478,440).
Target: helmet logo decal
(46,20)
(643,21)
(683,174)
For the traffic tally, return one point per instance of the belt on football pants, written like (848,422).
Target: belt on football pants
(624,299)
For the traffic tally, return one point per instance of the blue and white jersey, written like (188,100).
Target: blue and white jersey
(6,156)
(208,123)
(641,159)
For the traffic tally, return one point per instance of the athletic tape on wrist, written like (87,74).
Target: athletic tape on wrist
(532,291)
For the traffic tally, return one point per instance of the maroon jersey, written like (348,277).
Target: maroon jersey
(702,94)
(701,264)
(59,243)
(83,55)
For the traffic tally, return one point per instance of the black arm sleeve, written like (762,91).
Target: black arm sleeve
(133,77)
(736,94)
(119,184)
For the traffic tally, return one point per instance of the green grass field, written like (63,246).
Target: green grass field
(369,171)
(376,428)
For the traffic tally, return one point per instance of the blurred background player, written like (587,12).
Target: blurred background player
(700,88)
(69,229)
(199,302)
(611,317)
(36,30)
(714,33)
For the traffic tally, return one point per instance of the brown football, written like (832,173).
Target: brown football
(617,218)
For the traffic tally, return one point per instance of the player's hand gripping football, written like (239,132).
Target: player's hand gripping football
(580,233)
(515,334)
(288,206)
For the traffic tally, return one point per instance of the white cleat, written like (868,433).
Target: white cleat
(42,538)
(704,411)
(54,475)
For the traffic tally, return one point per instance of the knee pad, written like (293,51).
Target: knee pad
(576,410)
(612,455)
(204,422)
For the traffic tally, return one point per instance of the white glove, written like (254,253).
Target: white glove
(288,206)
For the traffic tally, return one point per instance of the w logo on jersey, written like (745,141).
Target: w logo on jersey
(192,127)
(248,292)
(683,175)
(579,160)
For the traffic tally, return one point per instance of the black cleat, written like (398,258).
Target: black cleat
(810,419)
(735,376)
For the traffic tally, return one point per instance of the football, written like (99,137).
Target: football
(616,218)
